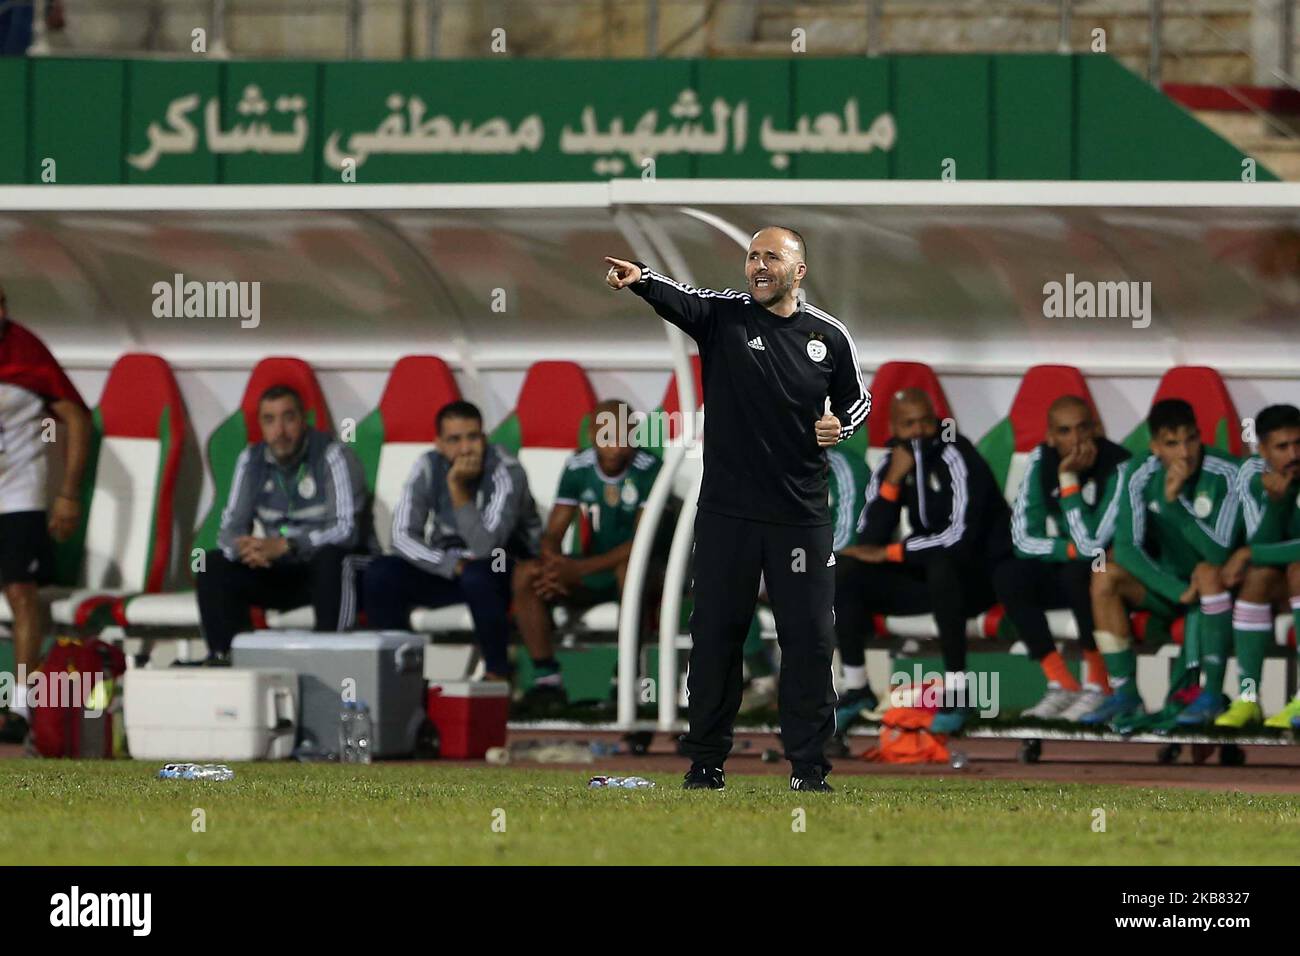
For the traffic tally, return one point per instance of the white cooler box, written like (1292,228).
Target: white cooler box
(211,713)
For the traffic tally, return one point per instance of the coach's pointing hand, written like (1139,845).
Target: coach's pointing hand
(621,273)
(828,430)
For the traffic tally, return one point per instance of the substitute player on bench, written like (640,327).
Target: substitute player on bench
(307,491)
(1063,519)
(32,386)
(607,484)
(1268,566)
(961,531)
(1178,522)
(771,362)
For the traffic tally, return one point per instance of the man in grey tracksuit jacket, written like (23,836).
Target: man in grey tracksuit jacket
(465,515)
(307,492)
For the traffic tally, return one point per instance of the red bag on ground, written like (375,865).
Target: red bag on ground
(74,699)
(905,737)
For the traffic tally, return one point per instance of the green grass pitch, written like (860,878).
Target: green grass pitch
(64,812)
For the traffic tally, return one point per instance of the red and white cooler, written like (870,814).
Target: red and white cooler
(470,716)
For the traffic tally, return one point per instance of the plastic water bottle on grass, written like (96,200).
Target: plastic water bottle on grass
(194,771)
(619,783)
(363,735)
(347,732)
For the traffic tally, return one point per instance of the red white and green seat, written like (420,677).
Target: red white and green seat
(548,424)
(179,611)
(1216,415)
(124,542)
(390,440)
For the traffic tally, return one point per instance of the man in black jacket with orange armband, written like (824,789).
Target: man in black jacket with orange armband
(960,533)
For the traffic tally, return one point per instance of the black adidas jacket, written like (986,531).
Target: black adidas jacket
(766,380)
(953,504)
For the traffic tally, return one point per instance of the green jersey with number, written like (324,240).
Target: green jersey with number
(1159,542)
(1272,526)
(609,504)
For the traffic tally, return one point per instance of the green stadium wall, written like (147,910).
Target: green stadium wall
(1037,116)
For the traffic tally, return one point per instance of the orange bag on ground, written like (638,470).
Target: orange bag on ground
(905,737)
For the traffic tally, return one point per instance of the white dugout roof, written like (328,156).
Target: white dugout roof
(352,276)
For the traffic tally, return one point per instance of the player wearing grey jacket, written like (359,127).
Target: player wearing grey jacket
(306,492)
(465,515)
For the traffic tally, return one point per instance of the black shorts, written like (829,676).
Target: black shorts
(26,551)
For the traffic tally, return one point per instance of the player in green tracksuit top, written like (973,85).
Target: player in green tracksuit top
(605,487)
(1268,566)
(1178,523)
(1062,524)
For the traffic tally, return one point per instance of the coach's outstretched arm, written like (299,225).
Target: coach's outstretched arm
(688,308)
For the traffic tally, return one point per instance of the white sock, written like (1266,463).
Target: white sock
(855,678)
(19,703)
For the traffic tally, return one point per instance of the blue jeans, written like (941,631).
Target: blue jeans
(392,586)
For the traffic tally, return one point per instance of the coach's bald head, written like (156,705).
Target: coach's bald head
(912,415)
(775,266)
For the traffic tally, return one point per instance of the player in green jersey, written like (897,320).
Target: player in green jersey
(1268,566)
(1178,524)
(1062,523)
(604,487)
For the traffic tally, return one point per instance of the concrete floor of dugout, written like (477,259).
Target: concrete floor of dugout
(1269,769)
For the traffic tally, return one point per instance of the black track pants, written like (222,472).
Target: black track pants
(730,555)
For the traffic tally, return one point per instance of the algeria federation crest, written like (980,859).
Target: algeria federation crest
(307,487)
(1202,506)
(816,350)
(629,493)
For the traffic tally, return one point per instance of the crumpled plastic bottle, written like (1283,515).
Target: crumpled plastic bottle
(619,783)
(195,771)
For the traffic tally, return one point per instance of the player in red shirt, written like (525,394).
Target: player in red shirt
(32,386)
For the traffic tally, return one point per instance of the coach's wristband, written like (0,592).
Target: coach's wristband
(889,491)
(894,552)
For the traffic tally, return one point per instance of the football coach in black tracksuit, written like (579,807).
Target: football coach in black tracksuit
(770,364)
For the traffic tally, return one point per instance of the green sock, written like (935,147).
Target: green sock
(1250,649)
(1295,622)
(1187,665)
(1192,625)
(1216,646)
(1121,667)
(755,654)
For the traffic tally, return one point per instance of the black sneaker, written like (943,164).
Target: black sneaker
(702,777)
(543,699)
(13,728)
(810,780)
